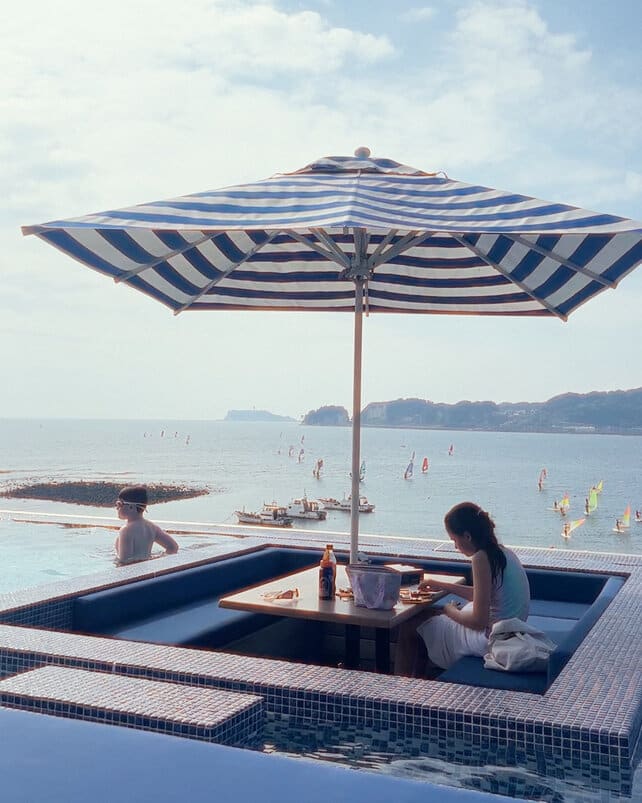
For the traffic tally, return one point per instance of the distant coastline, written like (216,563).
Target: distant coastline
(601,412)
(255,415)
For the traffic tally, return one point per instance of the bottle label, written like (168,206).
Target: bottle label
(326,582)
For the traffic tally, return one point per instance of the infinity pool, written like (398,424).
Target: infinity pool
(455,763)
(571,745)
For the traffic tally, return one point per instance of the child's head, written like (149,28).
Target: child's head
(133,495)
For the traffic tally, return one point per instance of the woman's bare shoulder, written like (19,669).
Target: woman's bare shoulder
(480,558)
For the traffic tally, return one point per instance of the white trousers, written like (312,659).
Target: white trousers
(447,641)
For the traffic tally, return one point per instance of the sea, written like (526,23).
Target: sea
(242,465)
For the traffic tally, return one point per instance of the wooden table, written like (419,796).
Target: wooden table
(342,611)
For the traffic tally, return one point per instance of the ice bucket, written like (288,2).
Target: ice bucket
(374,586)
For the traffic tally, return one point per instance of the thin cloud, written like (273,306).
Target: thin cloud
(151,102)
(418,14)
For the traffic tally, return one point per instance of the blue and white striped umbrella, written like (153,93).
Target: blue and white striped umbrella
(345,232)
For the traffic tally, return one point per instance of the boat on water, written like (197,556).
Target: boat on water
(345,504)
(305,508)
(269,516)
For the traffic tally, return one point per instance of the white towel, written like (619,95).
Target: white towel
(516,646)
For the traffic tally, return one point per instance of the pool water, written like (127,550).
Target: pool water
(454,763)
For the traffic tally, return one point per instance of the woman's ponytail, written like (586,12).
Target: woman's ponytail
(467,517)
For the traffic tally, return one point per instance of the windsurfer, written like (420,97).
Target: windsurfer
(556,505)
(566,529)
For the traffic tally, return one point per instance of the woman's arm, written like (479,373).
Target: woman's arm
(465,592)
(479,617)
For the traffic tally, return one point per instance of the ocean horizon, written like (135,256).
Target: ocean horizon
(243,465)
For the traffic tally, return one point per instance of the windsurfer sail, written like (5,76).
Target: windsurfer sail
(316,471)
(622,524)
(451,449)
(565,504)
(301,455)
(407,475)
(542,479)
(425,465)
(626,518)
(591,502)
(362,471)
(569,526)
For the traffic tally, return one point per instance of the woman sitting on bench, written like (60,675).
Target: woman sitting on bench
(500,590)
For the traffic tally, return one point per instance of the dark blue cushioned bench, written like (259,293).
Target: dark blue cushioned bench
(564,604)
(564,628)
(181,607)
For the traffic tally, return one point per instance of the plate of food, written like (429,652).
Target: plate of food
(286,595)
(412,596)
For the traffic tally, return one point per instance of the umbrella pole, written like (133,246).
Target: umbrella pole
(356,418)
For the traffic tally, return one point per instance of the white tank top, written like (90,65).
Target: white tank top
(510,598)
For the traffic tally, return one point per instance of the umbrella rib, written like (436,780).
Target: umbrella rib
(333,254)
(508,276)
(226,273)
(323,235)
(176,252)
(407,242)
(375,254)
(562,261)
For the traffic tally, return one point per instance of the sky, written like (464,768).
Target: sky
(105,106)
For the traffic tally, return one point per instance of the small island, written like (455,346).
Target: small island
(255,415)
(329,416)
(97,494)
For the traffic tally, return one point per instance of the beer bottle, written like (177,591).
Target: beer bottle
(326,576)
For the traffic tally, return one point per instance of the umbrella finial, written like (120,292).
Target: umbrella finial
(362,152)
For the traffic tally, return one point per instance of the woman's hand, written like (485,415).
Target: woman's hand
(430,585)
(452,609)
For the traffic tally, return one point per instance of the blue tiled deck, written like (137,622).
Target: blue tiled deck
(588,721)
(212,715)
